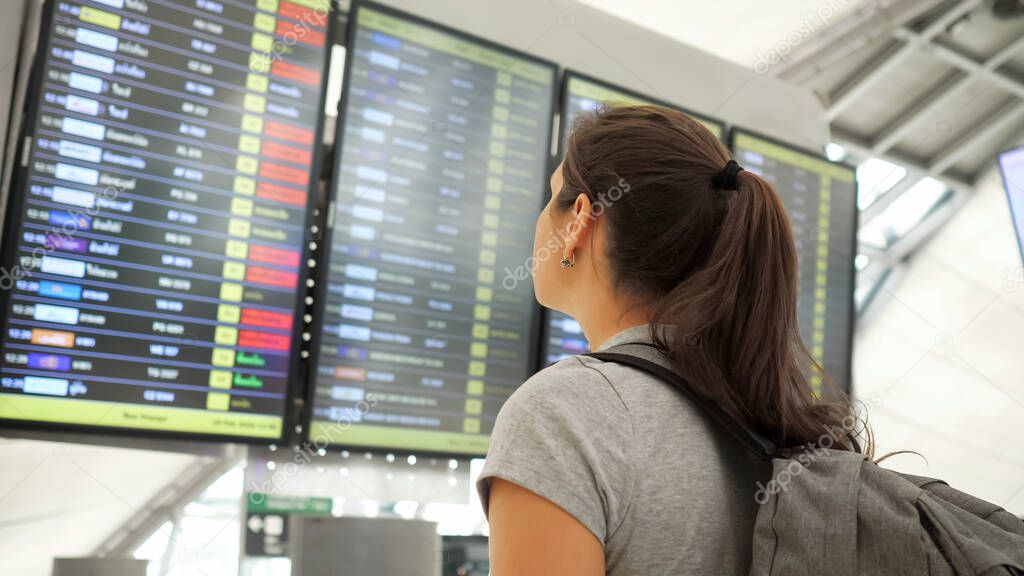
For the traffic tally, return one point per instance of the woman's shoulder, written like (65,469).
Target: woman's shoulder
(566,436)
(568,375)
(570,385)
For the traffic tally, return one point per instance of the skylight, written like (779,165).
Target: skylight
(875,177)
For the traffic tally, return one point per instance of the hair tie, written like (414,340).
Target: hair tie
(726,179)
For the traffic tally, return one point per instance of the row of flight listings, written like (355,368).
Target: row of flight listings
(156,248)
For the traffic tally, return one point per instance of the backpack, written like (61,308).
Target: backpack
(835,512)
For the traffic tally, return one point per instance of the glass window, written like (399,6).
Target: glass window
(904,213)
(875,177)
(205,541)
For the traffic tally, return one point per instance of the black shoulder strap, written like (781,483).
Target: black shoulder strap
(761,447)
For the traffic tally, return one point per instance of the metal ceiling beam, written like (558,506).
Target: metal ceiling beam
(985,69)
(908,118)
(926,229)
(885,200)
(863,79)
(857,145)
(888,278)
(994,124)
(862,83)
(952,85)
(905,247)
(123,541)
(849,35)
(874,254)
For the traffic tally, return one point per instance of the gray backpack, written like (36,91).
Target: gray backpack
(835,512)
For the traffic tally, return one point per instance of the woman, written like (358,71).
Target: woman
(672,252)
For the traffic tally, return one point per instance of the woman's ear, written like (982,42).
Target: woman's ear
(579,226)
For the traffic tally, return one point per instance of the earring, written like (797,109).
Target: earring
(566,263)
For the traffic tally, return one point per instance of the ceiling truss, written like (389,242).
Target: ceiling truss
(899,35)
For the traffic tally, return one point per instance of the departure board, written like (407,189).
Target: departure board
(821,200)
(1011,164)
(581,94)
(156,246)
(443,152)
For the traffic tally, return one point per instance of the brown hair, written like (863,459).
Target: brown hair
(718,267)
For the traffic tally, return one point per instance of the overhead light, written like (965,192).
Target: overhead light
(862,261)
(835,152)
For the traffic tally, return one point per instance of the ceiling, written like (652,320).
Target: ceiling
(738,30)
(936,87)
(936,84)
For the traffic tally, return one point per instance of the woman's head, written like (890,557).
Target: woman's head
(636,206)
(644,173)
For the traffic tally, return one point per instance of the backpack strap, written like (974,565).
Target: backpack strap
(759,445)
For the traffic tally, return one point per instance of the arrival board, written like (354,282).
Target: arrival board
(443,149)
(821,200)
(156,248)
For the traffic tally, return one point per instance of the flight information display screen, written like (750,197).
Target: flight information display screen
(1011,164)
(581,94)
(821,199)
(156,244)
(426,327)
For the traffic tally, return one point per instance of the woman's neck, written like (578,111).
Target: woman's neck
(606,322)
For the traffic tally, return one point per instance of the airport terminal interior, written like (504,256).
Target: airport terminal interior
(267,264)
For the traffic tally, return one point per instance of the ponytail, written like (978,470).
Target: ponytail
(718,267)
(733,328)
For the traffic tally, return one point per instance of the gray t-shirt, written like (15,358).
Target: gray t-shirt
(664,490)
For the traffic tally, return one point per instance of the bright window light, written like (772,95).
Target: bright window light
(867,286)
(873,235)
(909,209)
(875,177)
(206,540)
(904,213)
(835,152)
(153,548)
